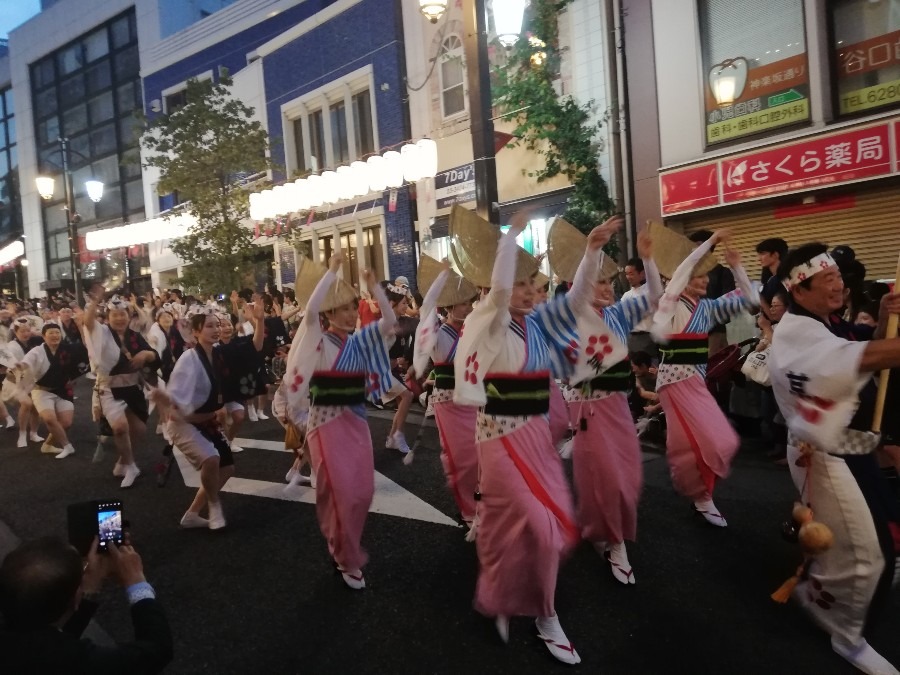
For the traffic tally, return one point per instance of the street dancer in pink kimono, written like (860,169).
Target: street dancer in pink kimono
(606,454)
(504,362)
(700,442)
(333,372)
(456,423)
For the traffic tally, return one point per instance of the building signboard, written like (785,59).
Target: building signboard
(845,156)
(769,96)
(456,185)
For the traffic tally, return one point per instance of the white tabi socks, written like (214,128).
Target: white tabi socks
(863,657)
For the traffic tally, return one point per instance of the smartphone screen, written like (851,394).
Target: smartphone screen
(109,523)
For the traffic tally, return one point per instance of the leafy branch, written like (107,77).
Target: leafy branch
(556,127)
(203,150)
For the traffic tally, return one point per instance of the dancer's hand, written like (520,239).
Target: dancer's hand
(733,257)
(334,264)
(645,244)
(601,234)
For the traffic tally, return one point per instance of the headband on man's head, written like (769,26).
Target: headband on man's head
(48,325)
(115,302)
(805,270)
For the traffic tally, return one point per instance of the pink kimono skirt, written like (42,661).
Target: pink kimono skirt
(526,522)
(459,454)
(341,454)
(700,442)
(607,469)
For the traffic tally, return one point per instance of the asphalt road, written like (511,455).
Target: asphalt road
(262,596)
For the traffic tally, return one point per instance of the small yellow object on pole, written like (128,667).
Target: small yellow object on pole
(885,375)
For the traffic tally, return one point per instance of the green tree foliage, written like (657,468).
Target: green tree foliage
(556,127)
(203,150)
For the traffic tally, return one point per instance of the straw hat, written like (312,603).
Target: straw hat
(670,249)
(473,248)
(456,291)
(565,249)
(541,279)
(341,293)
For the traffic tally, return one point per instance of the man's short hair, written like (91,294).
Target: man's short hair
(797,256)
(38,582)
(641,359)
(701,236)
(773,245)
(636,263)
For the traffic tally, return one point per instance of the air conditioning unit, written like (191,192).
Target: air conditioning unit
(156,105)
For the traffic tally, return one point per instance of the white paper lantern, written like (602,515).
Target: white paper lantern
(412,165)
(359,177)
(256,206)
(280,200)
(345,183)
(314,186)
(393,169)
(330,187)
(303,198)
(375,166)
(428,157)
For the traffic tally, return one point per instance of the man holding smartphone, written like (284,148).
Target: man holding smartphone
(48,597)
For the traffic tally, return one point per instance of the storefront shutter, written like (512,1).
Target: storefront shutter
(867,220)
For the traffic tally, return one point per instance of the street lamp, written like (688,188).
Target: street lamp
(507,13)
(433,9)
(45,185)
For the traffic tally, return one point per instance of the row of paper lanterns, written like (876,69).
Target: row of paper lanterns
(133,234)
(414,162)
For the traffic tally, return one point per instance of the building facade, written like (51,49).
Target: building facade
(440,109)
(784,128)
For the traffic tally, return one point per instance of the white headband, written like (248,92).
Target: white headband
(115,302)
(807,269)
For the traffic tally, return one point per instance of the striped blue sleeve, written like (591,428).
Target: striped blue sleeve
(630,312)
(559,327)
(616,317)
(724,308)
(373,351)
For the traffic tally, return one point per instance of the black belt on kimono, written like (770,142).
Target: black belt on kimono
(444,376)
(334,388)
(527,394)
(617,378)
(686,349)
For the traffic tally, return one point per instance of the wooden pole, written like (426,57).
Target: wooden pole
(885,375)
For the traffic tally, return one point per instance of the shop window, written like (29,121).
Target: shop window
(865,54)
(453,88)
(755,70)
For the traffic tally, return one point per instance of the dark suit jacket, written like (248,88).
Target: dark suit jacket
(48,651)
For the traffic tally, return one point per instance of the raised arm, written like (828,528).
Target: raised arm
(683,273)
(503,276)
(322,288)
(259,329)
(651,271)
(741,280)
(582,291)
(429,302)
(387,324)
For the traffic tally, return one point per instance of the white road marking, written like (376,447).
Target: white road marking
(390,499)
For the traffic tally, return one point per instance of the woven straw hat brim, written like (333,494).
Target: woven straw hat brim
(473,248)
(565,249)
(670,249)
(456,291)
(341,293)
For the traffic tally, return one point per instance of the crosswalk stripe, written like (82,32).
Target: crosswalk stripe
(390,499)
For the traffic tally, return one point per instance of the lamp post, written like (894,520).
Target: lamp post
(94,189)
(475,49)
